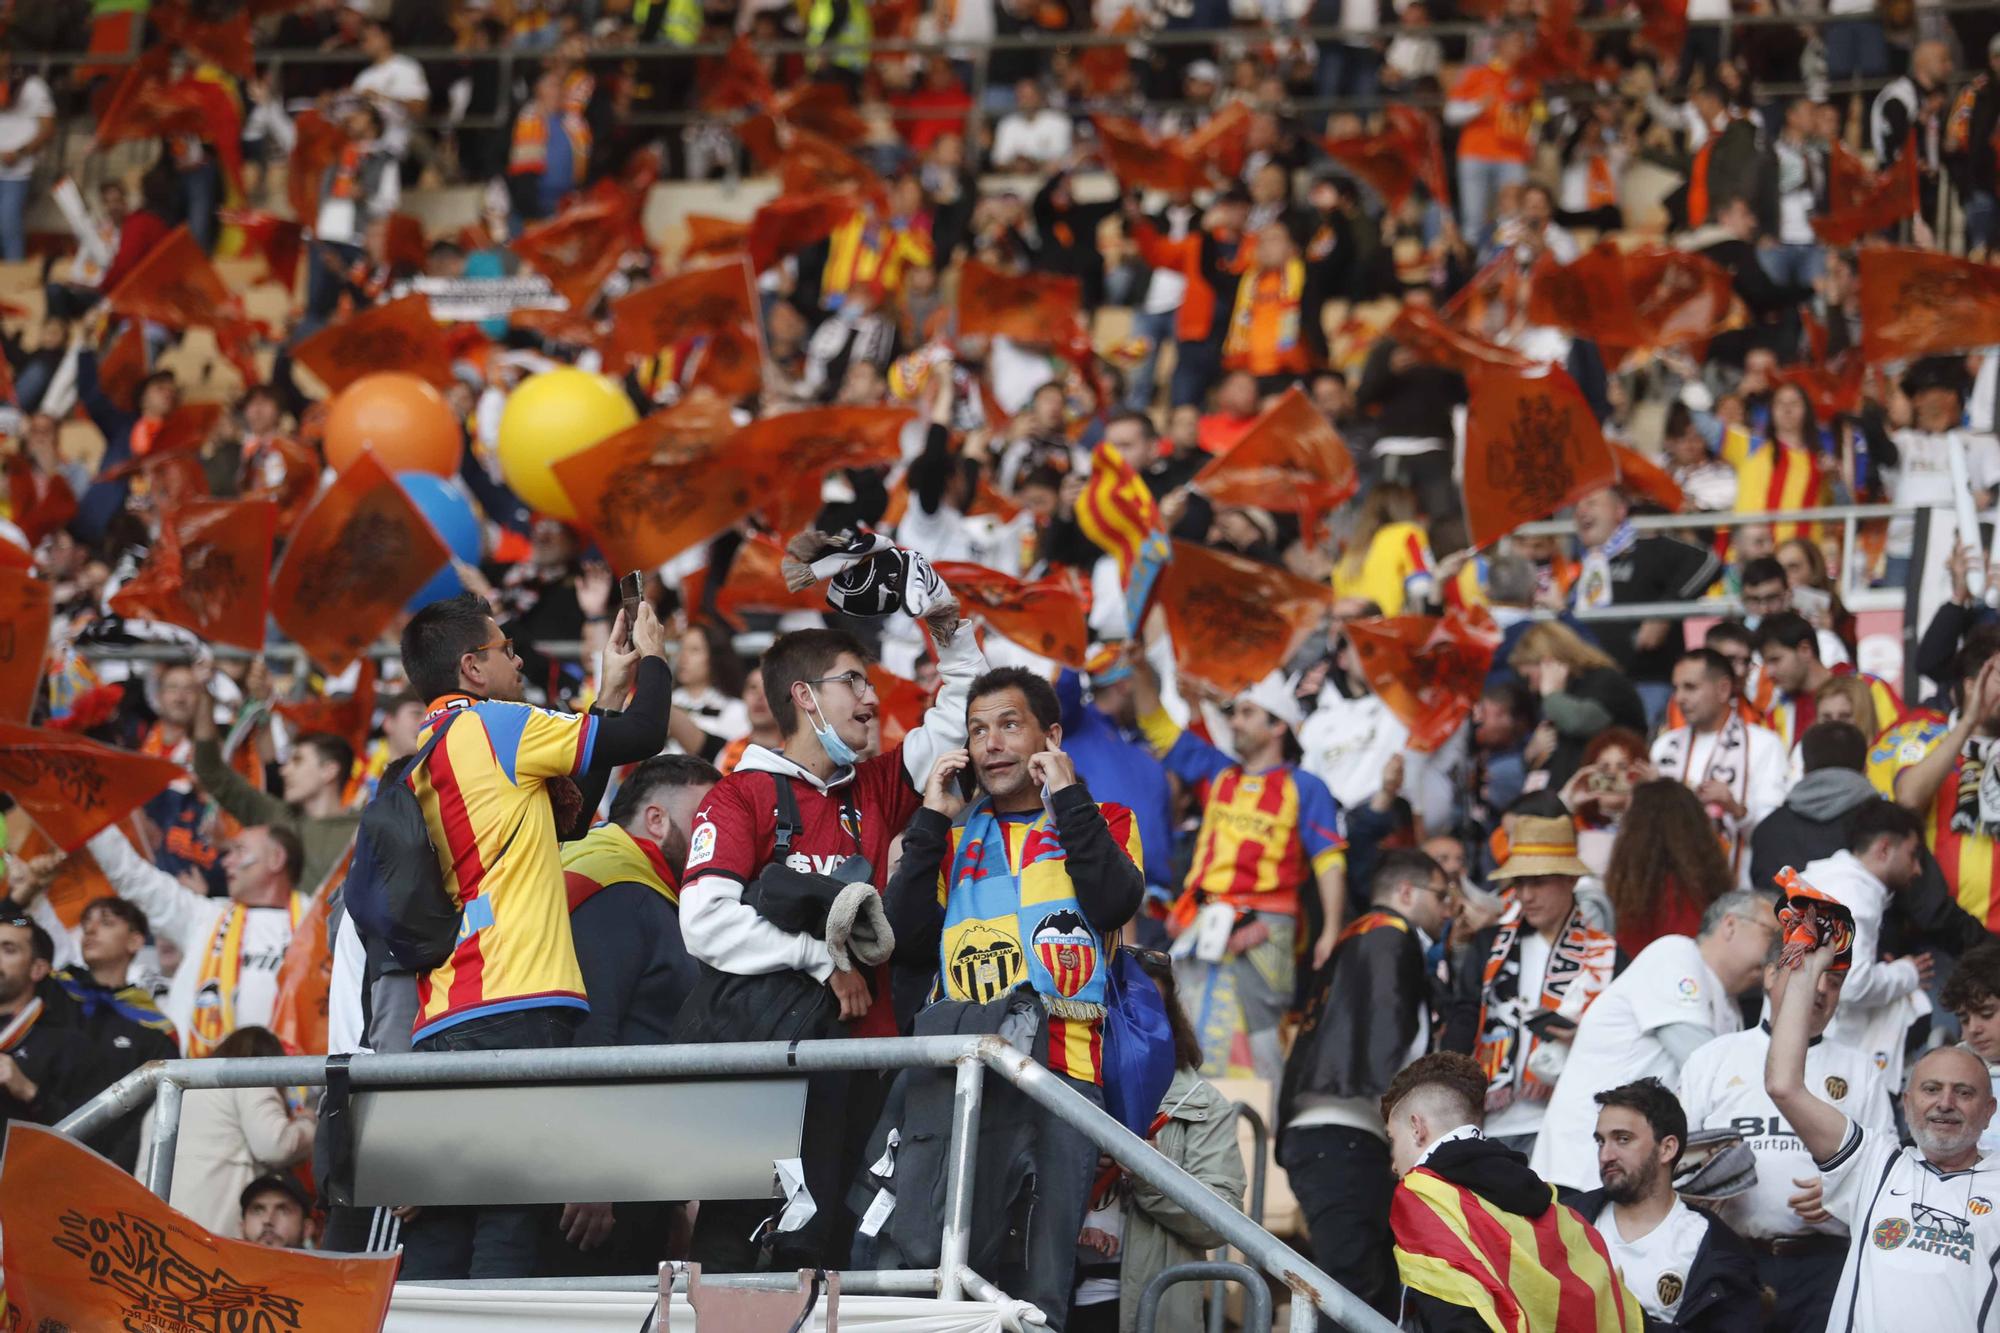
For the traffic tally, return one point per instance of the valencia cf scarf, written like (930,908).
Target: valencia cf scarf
(221,972)
(1580,965)
(1005,924)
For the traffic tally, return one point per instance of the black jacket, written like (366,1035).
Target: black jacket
(1722,1293)
(636,968)
(125,1030)
(57,1057)
(1363,1016)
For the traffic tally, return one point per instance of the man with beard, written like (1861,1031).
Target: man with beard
(275,1208)
(1925,1236)
(1689,1271)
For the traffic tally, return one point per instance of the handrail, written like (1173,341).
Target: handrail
(1312,1288)
(1256,1319)
(1260,1142)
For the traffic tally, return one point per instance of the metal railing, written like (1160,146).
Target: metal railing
(164,1082)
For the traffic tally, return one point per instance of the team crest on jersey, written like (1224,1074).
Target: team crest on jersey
(1670,1287)
(1836,1086)
(1889,1233)
(1064,944)
(850,821)
(1979,1205)
(984,963)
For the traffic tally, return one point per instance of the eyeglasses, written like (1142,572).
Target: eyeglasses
(506,646)
(856,681)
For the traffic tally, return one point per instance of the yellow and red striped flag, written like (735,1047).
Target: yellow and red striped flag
(1549,1274)
(1118,513)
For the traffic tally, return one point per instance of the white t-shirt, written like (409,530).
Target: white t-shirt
(1880,999)
(1655,1267)
(1617,1042)
(1924,1244)
(1722,1087)
(1042,138)
(20,120)
(399,79)
(1348,742)
(1923,475)
(1524,1115)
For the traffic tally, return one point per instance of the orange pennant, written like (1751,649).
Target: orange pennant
(317,149)
(1861,202)
(1428,670)
(1643,479)
(208,571)
(26,607)
(89,1247)
(1027,307)
(1532,446)
(72,787)
(1234,621)
(1915,302)
(1290,460)
(1437,343)
(359,554)
(305,975)
(1046,617)
(694,302)
(400,335)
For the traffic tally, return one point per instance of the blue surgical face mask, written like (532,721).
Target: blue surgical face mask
(838,750)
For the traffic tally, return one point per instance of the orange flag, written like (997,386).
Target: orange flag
(349,716)
(1407,151)
(319,144)
(1104,67)
(26,605)
(578,248)
(1140,161)
(285,473)
(361,551)
(1664,26)
(1562,51)
(208,571)
(1643,479)
(1656,297)
(174,285)
(1223,140)
(186,429)
(1428,670)
(163,481)
(225,43)
(305,976)
(903,704)
(1291,460)
(1438,343)
(1915,302)
(1046,617)
(1235,620)
(736,81)
(40,504)
(78,880)
(398,336)
(277,241)
(89,1247)
(72,787)
(145,104)
(1532,446)
(122,365)
(660,485)
(790,223)
(694,302)
(1861,202)
(808,445)
(814,164)
(756,583)
(712,237)
(1027,307)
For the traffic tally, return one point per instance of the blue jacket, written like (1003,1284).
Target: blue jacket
(1123,771)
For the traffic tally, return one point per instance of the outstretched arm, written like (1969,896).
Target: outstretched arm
(1820,1127)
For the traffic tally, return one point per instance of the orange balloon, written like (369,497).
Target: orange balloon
(402,418)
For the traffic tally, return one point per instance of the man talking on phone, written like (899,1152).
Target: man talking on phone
(1026,884)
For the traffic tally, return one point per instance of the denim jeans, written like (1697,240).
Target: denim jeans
(1197,366)
(14,220)
(1792,265)
(1348,71)
(485,1242)
(1156,330)
(201,195)
(324,284)
(1855,49)
(1479,180)
(1982,221)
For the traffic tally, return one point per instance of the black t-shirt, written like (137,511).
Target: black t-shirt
(1655,569)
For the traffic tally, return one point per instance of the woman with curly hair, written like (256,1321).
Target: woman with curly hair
(1666,866)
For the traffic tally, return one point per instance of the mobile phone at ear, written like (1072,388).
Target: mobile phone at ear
(968,782)
(631,592)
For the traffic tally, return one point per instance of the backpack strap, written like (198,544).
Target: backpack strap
(423,753)
(788,815)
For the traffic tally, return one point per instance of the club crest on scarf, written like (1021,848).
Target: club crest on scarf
(1068,950)
(984,962)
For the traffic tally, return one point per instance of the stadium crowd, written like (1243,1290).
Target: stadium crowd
(1688,918)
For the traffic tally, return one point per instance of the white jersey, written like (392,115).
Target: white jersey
(1925,1243)
(1655,1267)
(1922,477)
(1750,761)
(1667,985)
(1879,1000)
(1722,1087)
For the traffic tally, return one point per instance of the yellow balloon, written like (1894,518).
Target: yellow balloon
(551,416)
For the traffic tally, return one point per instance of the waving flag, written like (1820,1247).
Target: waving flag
(1027,307)
(174,285)
(712,237)
(1656,297)
(1532,446)
(1915,302)
(1119,515)
(1291,460)
(26,607)
(208,571)
(39,503)
(1140,161)
(1437,343)
(790,223)
(1428,670)
(757,583)
(1407,152)
(72,787)
(316,149)
(351,716)
(580,247)
(698,301)
(1234,621)
(1861,202)
(1046,616)
(279,242)
(305,975)
(1643,479)
(400,335)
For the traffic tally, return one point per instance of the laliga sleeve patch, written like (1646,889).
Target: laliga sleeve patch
(701,845)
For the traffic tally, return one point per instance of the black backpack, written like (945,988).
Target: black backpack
(395,888)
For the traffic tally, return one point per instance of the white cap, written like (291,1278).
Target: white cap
(1275,697)
(1205,71)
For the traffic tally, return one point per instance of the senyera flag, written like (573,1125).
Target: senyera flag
(1532,446)
(89,1247)
(359,554)
(1234,621)
(1046,616)
(1291,460)
(72,787)
(1916,302)
(208,572)
(1118,514)
(1428,670)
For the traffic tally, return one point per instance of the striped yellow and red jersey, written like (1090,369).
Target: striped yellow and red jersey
(1263,835)
(1967,859)
(868,257)
(996,962)
(1396,566)
(484,796)
(1791,716)
(1771,477)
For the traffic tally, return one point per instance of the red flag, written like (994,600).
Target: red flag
(305,976)
(1915,302)
(1234,620)
(122,365)
(277,241)
(146,105)
(712,237)
(1140,161)
(285,473)
(1292,460)
(208,571)
(1643,479)
(359,554)
(1532,446)
(1428,670)
(790,223)
(41,504)
(26,605)
(580,247)
(1045,617)
(406,246)
(1433,341)
(1664,27)
(1027,307)
(1562,51)
(1861,202)
(318,147)
(349,716)
(696,301)
(400,335)
(1407,151)
(225,43)
(736,81)
(756,583)
(72,787)
(174,285)
(89,1247)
